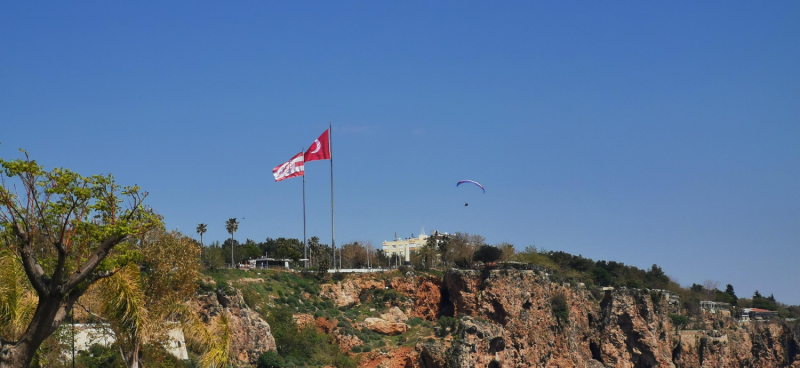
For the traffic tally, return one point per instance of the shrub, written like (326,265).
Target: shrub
(558,303)
(678,321)
(270,359)
(487,254)
(447,325)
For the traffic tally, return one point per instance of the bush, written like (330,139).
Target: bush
(270,359)
(447,325)
(678,321)
(558,303)
(487,254)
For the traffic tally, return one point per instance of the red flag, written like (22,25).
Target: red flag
(320,149)
(290,169)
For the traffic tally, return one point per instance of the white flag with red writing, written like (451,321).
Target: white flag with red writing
(290,169)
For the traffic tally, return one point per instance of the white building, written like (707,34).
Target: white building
(403,247)
(86,335)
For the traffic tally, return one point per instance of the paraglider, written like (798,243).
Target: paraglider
(472,182)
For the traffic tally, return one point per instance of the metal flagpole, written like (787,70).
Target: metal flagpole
(305,244)
(333,213)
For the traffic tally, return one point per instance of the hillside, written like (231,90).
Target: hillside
(490,318)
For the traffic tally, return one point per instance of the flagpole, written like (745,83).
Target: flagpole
(305,244)
(333,213)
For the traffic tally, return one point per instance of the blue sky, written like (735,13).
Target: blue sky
(644,133)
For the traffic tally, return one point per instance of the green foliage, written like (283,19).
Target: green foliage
(270,359)
(487,254)
(601,277)
(98,356)
(447,325)
(733,298)
(213,257)
(678,321)
(558,303)
(306,347)
(383,296)
(322,268)
(768,303)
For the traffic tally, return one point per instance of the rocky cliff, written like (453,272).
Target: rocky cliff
(251,335)
(512,318)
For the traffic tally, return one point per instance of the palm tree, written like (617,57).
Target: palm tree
(231,225)
(201,229)
(428,255)
(17,299)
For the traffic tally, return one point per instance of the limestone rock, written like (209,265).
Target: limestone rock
(394,315)
(251,335)
(385,327)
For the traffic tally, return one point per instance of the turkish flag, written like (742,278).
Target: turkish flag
(321,148)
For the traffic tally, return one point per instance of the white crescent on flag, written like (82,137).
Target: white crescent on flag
(290,169)
(318,145)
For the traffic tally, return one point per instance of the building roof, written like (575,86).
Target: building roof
(760,310)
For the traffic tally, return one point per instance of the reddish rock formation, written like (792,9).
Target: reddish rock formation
(346,342)
(426,294)
(507,320)
(403,357)
(325,325)
(347,292)
(385,327)
(302,319)
(251,334)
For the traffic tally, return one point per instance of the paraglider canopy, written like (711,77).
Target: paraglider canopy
(472,182)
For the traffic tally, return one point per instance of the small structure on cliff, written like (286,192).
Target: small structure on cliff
(756,314)
(714,307)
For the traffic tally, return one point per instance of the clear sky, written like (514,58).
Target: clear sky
(641,132)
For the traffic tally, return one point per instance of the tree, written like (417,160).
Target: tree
(427,253)
(201,229)
(709,288)
(729,291)
(461,247)
(487,254)
(231,226)
(270,359)
(354,255)
(251,250)
(137,300)
(508,251)
(441,242)
(213,257)
(68,232)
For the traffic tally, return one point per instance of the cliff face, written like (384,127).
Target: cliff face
(509,321)
(251,335)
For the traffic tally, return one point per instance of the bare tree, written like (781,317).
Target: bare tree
(709,289)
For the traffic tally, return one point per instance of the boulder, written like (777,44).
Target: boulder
(385,327)
(394,315)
